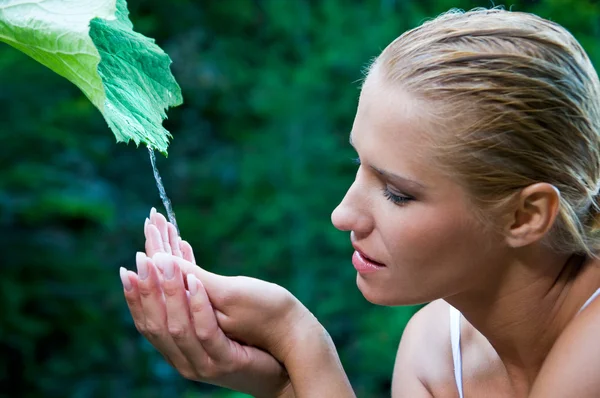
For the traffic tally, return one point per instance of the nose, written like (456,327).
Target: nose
(352,214)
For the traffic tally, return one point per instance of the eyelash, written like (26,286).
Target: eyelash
(395,199)
(392,197)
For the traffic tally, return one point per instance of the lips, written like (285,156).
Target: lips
(366,256)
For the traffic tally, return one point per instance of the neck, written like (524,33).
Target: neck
(523,308)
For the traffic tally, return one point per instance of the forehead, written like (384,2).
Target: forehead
(391,123)
(395,131)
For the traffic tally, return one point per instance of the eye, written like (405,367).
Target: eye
(356,161)
(394,198)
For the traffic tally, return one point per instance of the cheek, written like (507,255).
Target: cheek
(426,235)
(430,257)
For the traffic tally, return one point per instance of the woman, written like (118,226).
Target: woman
(477,191)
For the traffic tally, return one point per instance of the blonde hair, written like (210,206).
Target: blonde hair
(524,101)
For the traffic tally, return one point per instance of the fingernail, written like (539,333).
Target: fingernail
(169,269)
(192,284)
(159,260)
(146,223)
(152,211)
(142,265)
(125,279)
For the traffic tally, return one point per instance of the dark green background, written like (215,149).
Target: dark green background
(259,159)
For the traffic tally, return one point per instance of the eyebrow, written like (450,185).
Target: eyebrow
(393,177)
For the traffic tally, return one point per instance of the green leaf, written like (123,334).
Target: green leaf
(92,44)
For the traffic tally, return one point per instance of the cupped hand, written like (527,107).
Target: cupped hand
(209,331)
(237,300)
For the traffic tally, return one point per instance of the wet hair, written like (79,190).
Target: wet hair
(517,102)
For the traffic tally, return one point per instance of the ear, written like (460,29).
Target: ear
(533,214)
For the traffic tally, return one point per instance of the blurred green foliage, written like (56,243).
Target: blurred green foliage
(259,159)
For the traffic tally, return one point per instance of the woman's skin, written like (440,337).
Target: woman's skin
(176,315)
(513,290)
(236,332)
(519,299)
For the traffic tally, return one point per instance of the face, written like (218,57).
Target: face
(401,211)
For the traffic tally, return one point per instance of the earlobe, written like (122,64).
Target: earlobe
(533,214)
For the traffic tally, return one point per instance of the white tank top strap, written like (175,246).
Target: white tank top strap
(455,316)
(589,301)
(456,355)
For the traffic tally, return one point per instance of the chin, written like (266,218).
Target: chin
(386,295)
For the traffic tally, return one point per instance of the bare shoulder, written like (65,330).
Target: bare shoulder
(571,367)
(424,359)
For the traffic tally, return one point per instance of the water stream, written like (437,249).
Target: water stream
(161,191)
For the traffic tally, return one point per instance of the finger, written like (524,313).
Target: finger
(174,240)
(215,343)
(161,223)
(132,297)
(154,243)
(155,327)
(186,251)
(215,285)
(209,280)
(151,294)
(179,320)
